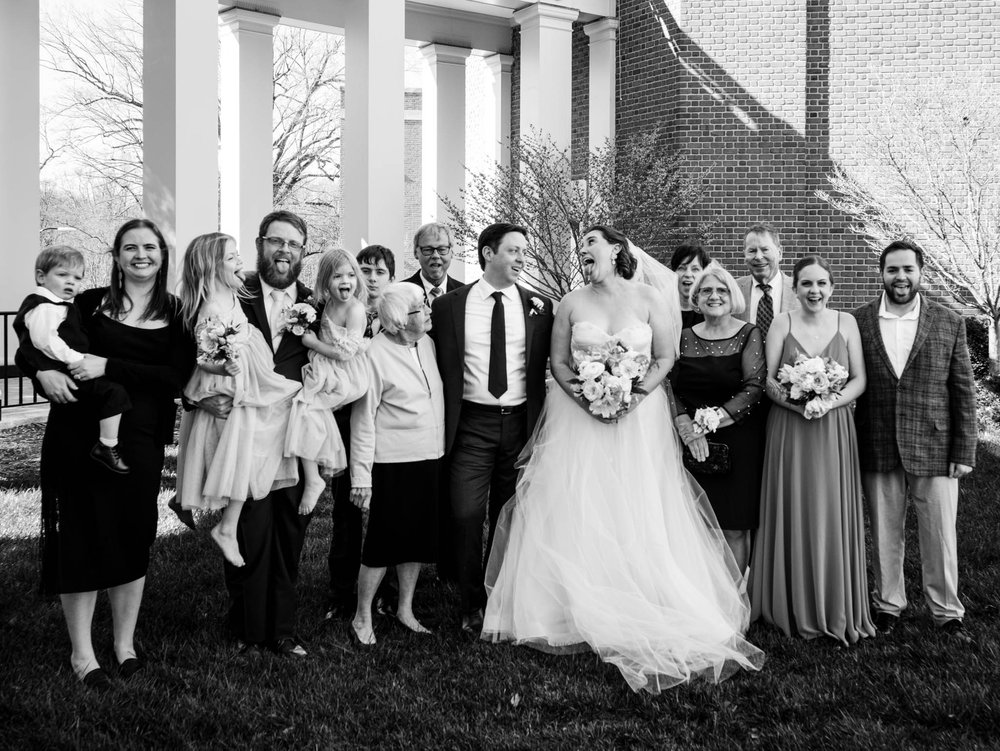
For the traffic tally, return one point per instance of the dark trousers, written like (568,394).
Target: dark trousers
(483,479)
(262,596)
(344,559)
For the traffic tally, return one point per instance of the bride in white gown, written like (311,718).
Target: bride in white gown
(609,545)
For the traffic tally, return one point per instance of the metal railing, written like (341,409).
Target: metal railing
(18,391)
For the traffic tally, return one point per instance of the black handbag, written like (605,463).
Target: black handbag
(717,463)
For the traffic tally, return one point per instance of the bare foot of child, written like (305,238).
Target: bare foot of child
(313,489)
(229,545)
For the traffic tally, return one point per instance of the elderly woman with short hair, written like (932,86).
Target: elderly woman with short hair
(397,440)
(721,367)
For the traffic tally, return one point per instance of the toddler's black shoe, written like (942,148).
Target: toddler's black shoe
(109,457)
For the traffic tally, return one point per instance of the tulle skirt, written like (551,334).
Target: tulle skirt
(609,545)
(235,458)
(312,430)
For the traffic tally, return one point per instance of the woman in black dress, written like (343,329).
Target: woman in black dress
(721,364)
(688,261)
(97,526)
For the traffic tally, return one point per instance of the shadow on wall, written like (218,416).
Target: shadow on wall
(758,166)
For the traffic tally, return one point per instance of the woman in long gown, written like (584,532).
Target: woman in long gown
(97,526)
(608,544)
(808,573)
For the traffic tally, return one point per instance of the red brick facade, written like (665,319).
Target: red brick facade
(764,95)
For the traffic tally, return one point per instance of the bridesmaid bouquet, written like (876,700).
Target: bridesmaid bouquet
(812,382)
(216,341)
(298,318)
(609,378)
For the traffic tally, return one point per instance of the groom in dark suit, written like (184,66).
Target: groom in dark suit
(262,598)
(492,340)
(916,434)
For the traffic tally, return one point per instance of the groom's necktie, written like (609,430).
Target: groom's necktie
(765,310)
(497,382)
(274,319)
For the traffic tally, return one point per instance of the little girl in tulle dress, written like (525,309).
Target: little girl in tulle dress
(222,462)
(336,374)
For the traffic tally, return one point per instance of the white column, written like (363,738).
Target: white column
(180,118)
(443,128)
(546,71)
(245,159)
(19,125)
(603,67)
(372,153)
(500,66)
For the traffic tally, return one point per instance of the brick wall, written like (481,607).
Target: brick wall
(413,180)
(763,95)
(580,125)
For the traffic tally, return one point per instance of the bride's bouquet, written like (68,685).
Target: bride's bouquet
(608,377)
(813,382)
(216,341)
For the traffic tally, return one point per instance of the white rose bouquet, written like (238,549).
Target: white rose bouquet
(813,382)
(608,378)
(298,318)
(216,341)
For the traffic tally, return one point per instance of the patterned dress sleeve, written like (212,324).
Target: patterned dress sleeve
(754,375)
(677,405)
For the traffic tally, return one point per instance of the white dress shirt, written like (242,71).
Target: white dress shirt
(429,285)
(43,322)
(756,293)
(898,333)
(478,323)
(289,299)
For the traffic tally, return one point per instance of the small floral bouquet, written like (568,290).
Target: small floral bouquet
(298,318)
(216,341)
(609,377)
(813,382)
(706,420)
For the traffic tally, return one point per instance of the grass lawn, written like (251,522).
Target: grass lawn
(912,689)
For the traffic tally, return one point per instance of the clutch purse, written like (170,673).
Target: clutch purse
(717,463)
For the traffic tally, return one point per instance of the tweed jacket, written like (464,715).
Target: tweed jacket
(926,418)
(448,333)
(788,299)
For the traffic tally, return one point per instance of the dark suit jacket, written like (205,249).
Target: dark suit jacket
(291,354)
(450,284)
(448,332)
(926,418)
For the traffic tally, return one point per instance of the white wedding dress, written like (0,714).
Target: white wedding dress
(609,545)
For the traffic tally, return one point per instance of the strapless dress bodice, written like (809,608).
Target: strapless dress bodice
(587,336)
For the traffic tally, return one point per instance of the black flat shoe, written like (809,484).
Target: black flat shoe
(185,515)
(130,666)
(97,680)
(885,622)
(352,634)
(288,647)
(109,457)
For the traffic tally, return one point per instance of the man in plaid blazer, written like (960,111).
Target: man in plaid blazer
(916,431)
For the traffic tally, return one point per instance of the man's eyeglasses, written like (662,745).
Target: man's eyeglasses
(277,243)
(428,250)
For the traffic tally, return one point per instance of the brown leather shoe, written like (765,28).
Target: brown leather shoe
(109,457)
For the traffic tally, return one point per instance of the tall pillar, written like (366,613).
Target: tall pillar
(547,71)
(443,129)
(372,153)
(500,66)
(180,118)
(19,126)
(603,67)
(245,158)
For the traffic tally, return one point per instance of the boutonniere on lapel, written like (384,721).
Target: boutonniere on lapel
(537,307)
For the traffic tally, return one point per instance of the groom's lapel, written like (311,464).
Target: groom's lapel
(529,323)
(255,307)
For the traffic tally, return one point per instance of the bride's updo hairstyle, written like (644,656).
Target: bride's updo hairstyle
(810,260)
(625,263)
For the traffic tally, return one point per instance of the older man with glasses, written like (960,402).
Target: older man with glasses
(433,248)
